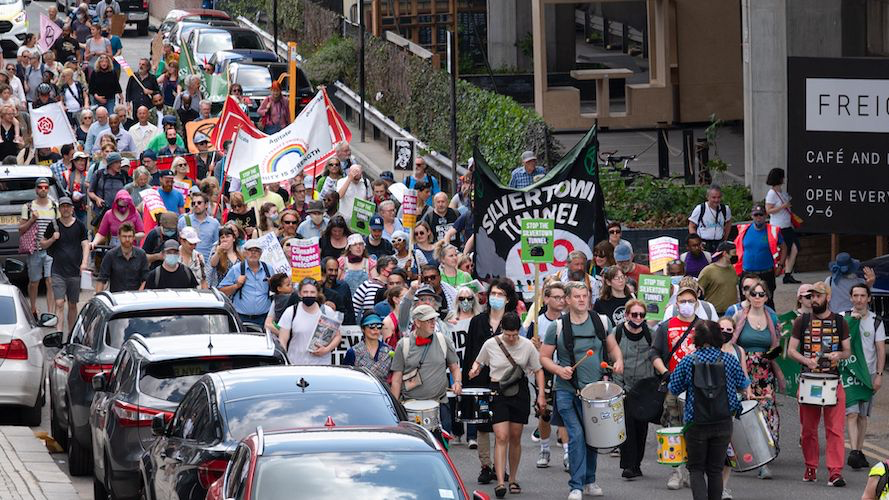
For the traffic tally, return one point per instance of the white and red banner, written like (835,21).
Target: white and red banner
(49,33)
(231,119)
(303,146)
(50,126)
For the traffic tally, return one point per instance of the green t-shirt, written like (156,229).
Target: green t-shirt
(584,339)
(160,140)
(720,285)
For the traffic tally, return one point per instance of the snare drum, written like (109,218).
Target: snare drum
(671,446)
(474,406)
(423,412)
(818,389)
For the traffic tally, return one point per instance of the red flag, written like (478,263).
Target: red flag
(164,163)
(231,119)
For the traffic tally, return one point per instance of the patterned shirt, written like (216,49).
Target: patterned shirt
(58,171)
(681,380)
(520,178)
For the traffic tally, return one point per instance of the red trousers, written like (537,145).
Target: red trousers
(834,426)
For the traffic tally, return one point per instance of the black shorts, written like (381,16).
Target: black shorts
(790,237)
(515,409)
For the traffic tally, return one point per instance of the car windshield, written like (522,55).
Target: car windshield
(7,311)
(369,476)
(19,191)
(170,380)
(307,410)
(211,42)
(8,2)
(254,78)
(247,40)
(166,325)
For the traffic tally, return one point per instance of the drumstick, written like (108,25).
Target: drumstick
(605,366)
(589,354)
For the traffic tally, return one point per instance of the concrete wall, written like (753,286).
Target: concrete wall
(502,34)
(160,8)
(814,28)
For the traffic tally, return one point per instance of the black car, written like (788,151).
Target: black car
(102,326)
(194,448)
(342,462)
(150,377)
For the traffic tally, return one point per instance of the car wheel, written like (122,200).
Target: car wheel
(79,458)
(142,29)
(33,416)
(99,491)
(55,428)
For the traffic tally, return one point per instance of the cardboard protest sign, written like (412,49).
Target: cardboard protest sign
(362,211)
(661,251)
(655,291)
(537,240)
(305,259)
(273,254)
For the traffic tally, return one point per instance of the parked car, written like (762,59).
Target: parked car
(341,462)
(189,15)
(150,377)
(222,58)
(256,78)
(22,359)
(14,25)
(202,43)
(17,184)
(102,327)
(193,449)
(181,29)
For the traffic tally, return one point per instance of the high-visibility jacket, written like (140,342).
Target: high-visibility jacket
(772,233)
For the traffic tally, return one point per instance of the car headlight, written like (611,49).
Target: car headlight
(20,18)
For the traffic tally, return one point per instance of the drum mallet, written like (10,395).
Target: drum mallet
(605,366)
(588,355)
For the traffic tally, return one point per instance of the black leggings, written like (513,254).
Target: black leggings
(633,449)
(707,444)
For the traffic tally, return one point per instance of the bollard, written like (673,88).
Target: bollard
(688,146)
(663,154)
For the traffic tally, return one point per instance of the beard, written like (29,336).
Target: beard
(576,275)
(819,308)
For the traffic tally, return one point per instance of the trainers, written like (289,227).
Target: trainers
(543,459)
(631,474)
(593,490)
(615,452)
(535,436)
(686,479)
(473,444)
(857,460)
(764,472)
(575,495)
(810,476)
(726,494)
(675,480)
(565,462)
(790,280)
(486,475)
(836,480)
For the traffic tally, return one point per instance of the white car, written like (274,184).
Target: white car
(13,25)
(22,355)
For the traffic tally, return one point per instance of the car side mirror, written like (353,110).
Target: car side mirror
(13,266)
(48,320)
(158,424)
(153,29)
(480,495)
(54,339)
(253,327)
(99,382)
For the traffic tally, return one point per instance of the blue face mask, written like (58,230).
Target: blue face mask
(171,259)
(497,303)
(169,233)
(675,280)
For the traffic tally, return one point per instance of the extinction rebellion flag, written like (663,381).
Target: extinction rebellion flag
(569,194)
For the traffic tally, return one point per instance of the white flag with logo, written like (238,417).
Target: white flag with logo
(50,126)
(303,146)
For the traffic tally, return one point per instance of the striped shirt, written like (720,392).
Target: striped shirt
(363,298)
(681,379)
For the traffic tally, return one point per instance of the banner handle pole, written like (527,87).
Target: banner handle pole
(537,298)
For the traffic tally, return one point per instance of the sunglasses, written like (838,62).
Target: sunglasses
(636,315)
(290,222)
(375,326)
(197,202)
(614,231)
(600,255)
(745,289)
(464,299)
(760,295)
(429,278)
(806,296)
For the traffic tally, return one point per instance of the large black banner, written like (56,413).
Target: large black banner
(837,152)
(569,194)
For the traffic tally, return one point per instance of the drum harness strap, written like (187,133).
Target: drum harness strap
(565,325)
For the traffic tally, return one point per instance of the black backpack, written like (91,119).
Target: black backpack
(568,335)
(719,211)
(711,397)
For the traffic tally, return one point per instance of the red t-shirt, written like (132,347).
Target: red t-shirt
(675,329)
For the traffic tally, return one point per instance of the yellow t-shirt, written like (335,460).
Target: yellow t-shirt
(879,470)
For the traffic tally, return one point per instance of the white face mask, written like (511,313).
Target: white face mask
(686,309)
(171,259)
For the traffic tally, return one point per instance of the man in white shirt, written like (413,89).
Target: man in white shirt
(873,342)
(711,220)
(350,187)
(143,131)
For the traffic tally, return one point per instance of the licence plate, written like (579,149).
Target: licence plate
(137,16)
(9,219)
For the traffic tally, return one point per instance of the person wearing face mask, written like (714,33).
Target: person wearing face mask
(703,309)
(268,219)
(718,280)
(298,323)
(122,210)
(371,353)
(155,239)
(316,222)
(355,264)
(761,249)
(363,298)
(170,274)
(673,340)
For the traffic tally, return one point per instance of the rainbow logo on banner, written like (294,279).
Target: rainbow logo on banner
(281,156)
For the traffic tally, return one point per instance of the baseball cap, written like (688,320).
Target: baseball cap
(376,222)
(820,287)
(201,137)
(149,153)
(166,173)
(80,154)
(528,156)
(423,312)
(315,207)
(253,243)
(426,290)
(757,209)
(169,120)
(803,289)
(113,157)
(622,253)
(41,180)
(64,200)
(190,235)
(387,175)
(725,246)
(171,245)
(687,287)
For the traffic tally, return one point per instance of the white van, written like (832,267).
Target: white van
(13,25)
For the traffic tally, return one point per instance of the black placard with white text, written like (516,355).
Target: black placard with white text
(837,147)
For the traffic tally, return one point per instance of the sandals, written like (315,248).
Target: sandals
(514,488)
(500,491)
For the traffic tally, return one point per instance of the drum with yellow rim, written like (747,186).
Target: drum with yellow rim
(671,446)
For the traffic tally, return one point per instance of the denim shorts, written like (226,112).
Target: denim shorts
(39,266)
